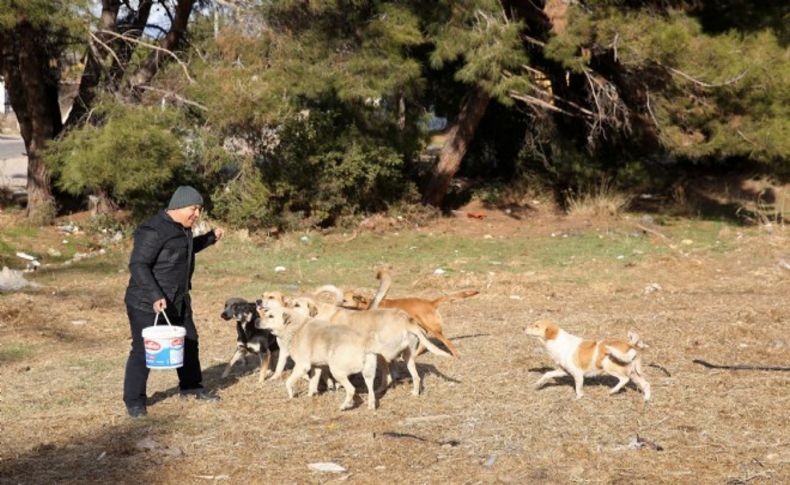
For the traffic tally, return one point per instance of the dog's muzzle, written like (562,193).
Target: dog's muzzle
(226,315)
(260,305)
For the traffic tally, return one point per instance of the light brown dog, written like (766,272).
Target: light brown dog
(425,312)
(313,343)
(392,333)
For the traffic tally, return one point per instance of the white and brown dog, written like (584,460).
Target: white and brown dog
(581,358)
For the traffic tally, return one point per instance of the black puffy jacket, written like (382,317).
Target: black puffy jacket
(162,262)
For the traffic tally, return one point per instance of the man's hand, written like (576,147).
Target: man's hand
(218,233)
(160,305)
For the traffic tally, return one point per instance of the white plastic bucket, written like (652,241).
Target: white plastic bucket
(164,345)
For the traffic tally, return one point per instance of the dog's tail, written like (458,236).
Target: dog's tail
(454,297)
(625,357)
(384,276)
(420,333)
(333,291)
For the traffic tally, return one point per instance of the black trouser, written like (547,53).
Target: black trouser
(189,376)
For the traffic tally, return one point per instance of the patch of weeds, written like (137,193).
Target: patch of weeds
(104,224)
(7,252)
(95,365)
(585,248)
(15,352)
(19,231)
(701,234)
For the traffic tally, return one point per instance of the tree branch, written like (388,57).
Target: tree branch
(650,110)
(703,83)
(154,47)
(109,49)
(172,94)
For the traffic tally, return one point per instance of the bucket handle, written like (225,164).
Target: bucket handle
(166,319)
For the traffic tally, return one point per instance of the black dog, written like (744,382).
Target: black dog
(249,339)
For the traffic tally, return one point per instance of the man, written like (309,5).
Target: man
(161,267)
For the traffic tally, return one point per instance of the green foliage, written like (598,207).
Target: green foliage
(712,95)
(488,43)
(45,15)
(244,201)
(131,155)
(310,112)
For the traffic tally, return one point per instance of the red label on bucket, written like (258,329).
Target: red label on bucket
(176,343)
(152,345)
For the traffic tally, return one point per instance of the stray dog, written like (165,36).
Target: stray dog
(391,333)
(425,312)
(313,343)
(250,339)
(275,296)
(579,358)
(278,299)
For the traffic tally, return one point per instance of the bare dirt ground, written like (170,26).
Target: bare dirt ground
(479,419)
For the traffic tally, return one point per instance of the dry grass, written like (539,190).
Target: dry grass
(62,419)
(601,200)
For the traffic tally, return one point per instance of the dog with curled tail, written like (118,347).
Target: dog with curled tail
(581,358)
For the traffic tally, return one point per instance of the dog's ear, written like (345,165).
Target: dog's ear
(550,331)
(287,318)
(313,309)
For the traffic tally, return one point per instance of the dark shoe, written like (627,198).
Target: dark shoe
(199,394)
(136,411)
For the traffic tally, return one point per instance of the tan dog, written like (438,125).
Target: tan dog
(313,343)
(392,333)
(585,358)
(277,298)
(425,312)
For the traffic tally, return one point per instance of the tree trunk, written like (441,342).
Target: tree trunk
(170,42)
(126,47)
(459,136)
(33,89)
(101,203)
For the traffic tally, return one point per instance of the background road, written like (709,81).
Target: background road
(13,163)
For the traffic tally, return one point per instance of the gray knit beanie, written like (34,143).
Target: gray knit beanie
(185,196)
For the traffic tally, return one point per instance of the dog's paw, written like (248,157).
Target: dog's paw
(579,396)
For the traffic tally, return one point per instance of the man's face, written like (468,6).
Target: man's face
(186,216)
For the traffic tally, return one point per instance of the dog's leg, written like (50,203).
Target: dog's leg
(297,373)
(421,349)
(343,380)
(643,384)
(264,371)
(369,373)
(636,376)
(312,389)
(578,379)
(549,375)
(385,378)
(410,356)
(329,381)
(238,354)
(621,381)
(282,357)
